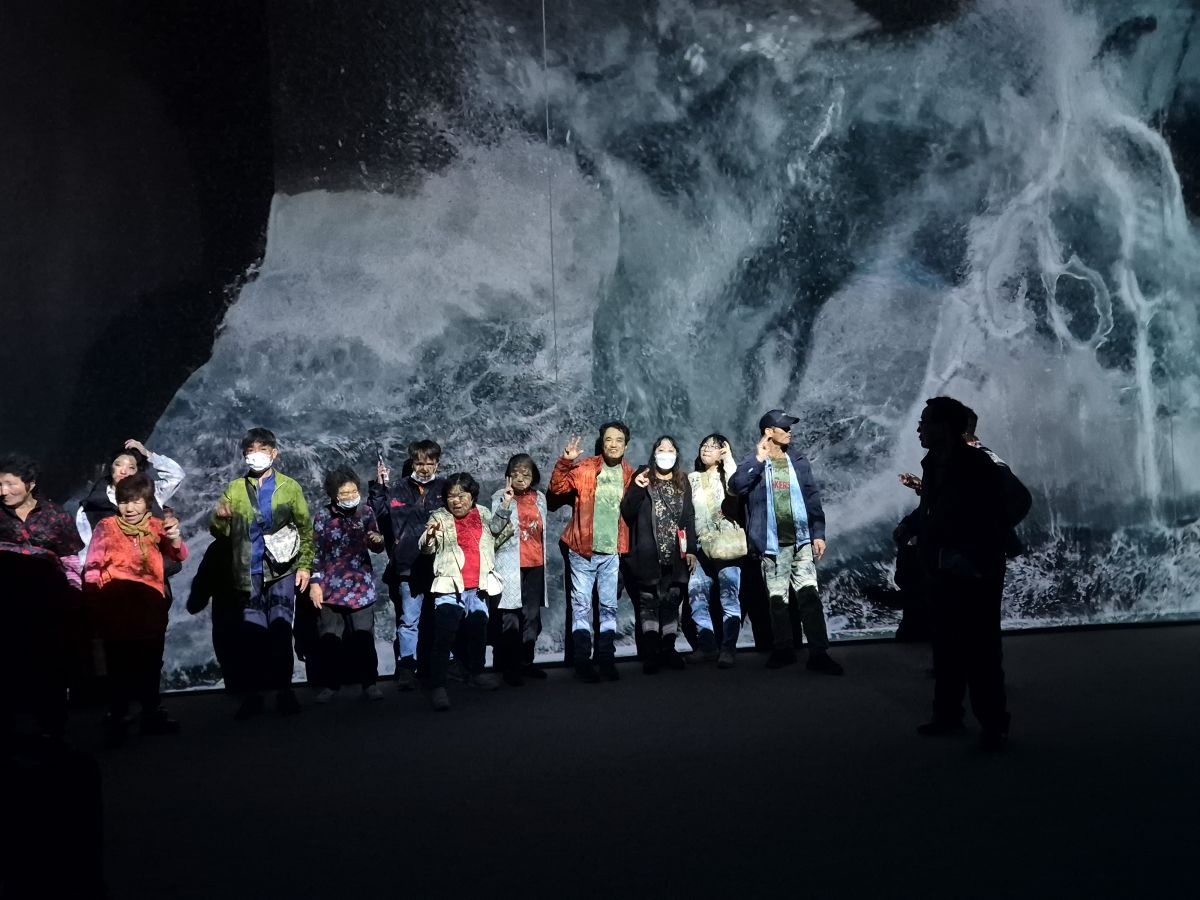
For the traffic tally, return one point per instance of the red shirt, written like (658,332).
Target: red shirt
(468,530)
(115,556)
(529,530)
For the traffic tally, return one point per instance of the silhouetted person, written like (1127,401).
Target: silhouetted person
(961,529)
(214,582)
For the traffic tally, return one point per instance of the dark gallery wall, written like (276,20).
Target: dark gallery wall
(136,154)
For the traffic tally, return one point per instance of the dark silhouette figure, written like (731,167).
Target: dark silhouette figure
(962,528)
(214,582)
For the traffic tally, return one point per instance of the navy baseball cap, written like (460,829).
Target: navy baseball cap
(776,418)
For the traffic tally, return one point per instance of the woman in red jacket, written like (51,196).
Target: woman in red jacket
(124,578)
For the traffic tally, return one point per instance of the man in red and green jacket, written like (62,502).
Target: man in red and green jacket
(595,537)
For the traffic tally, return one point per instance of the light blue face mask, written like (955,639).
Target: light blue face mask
(350,504)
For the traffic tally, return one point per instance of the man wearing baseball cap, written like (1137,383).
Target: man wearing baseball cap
(787,533)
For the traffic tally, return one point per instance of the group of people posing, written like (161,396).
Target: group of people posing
(461,573)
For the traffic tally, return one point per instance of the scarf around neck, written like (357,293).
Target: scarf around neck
(139,531)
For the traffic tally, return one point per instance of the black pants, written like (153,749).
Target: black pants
(266,660)
(465,634)
(966,650)
(32,664)
(514,632)
(134,672)
(346,647)
(659,604)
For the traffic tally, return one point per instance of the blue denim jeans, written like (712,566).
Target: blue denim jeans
(408,618)
(599,570)
(729,583)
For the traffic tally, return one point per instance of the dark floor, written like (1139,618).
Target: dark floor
(710,783)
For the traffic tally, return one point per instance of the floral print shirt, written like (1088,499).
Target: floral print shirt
(342,565)
(667,503)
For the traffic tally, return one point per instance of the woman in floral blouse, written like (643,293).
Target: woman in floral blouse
(342,587)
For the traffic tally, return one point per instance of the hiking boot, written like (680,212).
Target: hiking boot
(252,705)
(158,721)
(325,695)
(372,692)
(482,682)
(608,671)
(439,699)
(780,658)
(586,672)
(286,702)
(725,659)
(941,728)
(529,670)
(824,663)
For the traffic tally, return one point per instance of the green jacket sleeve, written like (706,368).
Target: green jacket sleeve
(304,525)
(217,526)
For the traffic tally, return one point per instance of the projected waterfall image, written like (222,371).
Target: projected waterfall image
(498,232)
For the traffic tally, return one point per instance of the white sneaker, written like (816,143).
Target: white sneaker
(372,692)
(324,695)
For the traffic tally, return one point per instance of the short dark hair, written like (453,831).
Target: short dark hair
(335,478)
(523,459)
(426,449)
(135,487)
(972,421)
(463,481)
(948,411)
(22,466)
(620,426)
(263,436)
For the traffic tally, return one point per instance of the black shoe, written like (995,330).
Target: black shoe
(994,736)
(586,672)
(941,728)
(286,702)
(608,671)
(672,659)
(780,658)
(993,741)
(529,670)
(158,721)
(513,678)
(252,706)
(823,662)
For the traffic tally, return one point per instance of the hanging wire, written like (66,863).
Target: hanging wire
(550,189)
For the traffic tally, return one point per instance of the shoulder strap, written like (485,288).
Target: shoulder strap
(252,493)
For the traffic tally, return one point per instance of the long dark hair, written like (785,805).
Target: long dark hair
(720,439)
(678,475)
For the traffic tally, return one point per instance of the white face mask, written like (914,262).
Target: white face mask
(423,479)
(258,461)
(665,461)
(350,504)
